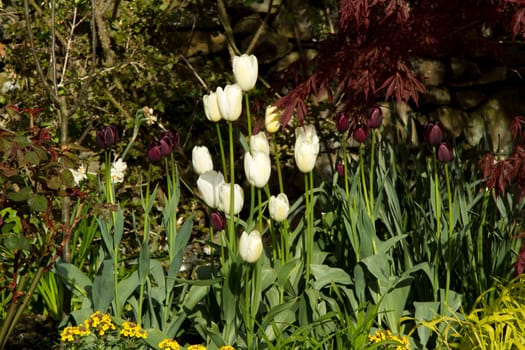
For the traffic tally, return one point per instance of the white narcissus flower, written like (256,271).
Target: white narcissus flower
(201,159)
(279,207)
(259,143)
(250,246)
(118,168)
(79,174)
(271,119)
(229,101)
(306,148)
(211,107)
(257,167)
(208,184)
(224,198)
(245,70)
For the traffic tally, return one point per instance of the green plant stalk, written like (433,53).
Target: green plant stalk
(308,228)
(221,147)
(345,165)
(479,243)
(371,174)
(231,223)
(278,164)
(438,225)
(363,180)
(450,232)
(248,317)
(145,237)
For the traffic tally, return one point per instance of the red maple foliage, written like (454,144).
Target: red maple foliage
(368,59)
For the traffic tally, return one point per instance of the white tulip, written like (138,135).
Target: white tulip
(306,147)
(211,107)
(250,246)
(229,101)
(259,143)
(208,184)
(279,207)
(271,119)
(257,167)
(224,198)
(245,70)
(201,159)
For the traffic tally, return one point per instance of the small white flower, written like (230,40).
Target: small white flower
(209,184)
(201,159)
(271,119)
(279,207)
(224,198)
(79,174)
(245,70)
(250,246)
(306,148)
(229,101)
(211,107)
(257,167)
(148,114)
(259,143)
(118,169)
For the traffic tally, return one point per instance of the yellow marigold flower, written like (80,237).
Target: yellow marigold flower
(196,347)
(133,330)
(169,344)
(227,347)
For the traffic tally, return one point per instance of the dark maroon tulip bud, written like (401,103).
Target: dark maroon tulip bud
(340,167)
(361,133)
(342,123)
(154,151)
(171,138)
(107,136)
(375,117)
(445,153)
(165,146)
(433,133)
(218,220)
(1,220)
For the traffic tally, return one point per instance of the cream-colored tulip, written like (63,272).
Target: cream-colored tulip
(257,167)
(201,159)
(271,119)
(250,246)
(279,207)
(306,147)
(209,184)
(245,71)
(224,198)
(229,101)
(259,143)
(211,107)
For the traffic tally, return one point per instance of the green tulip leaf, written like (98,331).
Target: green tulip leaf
(103,286)
(80,284)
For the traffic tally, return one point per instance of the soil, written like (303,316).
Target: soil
(34,332)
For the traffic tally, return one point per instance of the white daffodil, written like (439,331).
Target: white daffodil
(201,159)
(306,147)
(250,246)
(257,167)
(229,101)
(259,143)
(118,170)
(245,71)
(224,198)
(211,107)
(208,184)
(279,207)
(79,174)
(271,119)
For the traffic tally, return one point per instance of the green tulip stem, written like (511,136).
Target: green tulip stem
(363,180)
(278,164)
(248,115)
(345,165)
(371,173)
(260,216)
(438,223)
(231,224)
(221,147)
(450,232)
(308,184)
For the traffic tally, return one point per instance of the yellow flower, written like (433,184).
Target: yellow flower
(169,344)
(70,333)
(101,322)
(380,336)
(196,347)
(227,347)
(133,330)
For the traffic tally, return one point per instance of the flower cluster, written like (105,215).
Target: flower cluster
(167,143)
(400,342)
(97,324)
(72,333)
(101,323)
(169,344)
(133,330)
(434,137)
(196,347)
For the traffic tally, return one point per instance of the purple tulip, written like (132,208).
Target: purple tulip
(154,151)
(107,136)
(433,133)
(342,123)
(361,133)
(375,117)
(445,153)
(340,167)
(218,220)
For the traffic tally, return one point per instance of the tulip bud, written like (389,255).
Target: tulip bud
(208,184)
(218,220)
(171,139)
(445,153)
(230,102)
(342,123)
(271,119)
(250,246)
(279,207)
(306,148)
(257,167)
(201,159)
(211,107)
(107,136)
(375,117)
(154,152)
(340,167)
(433,133)
(361,133)
(259,143)
(245,71)
(224,198)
